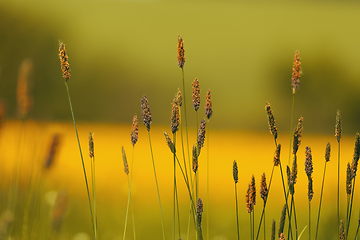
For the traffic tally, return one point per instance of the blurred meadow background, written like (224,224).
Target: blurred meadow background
(120,51)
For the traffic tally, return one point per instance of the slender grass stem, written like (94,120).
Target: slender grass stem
(251,236)
(175,197)
(296,228)
(309,220)
(94,194)
(289,229)
(186,128)
(178,211)
(286,198)
(351,202)
(253,223)
(347,209)
(264,225)
(157,187)
(338,191)
(291,126)
(237,214)
(82,159)
(207,182)
(321,194)
(357,229)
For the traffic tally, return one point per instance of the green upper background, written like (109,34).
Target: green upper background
(243,51)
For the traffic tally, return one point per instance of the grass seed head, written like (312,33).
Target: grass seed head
(195,159)
(180,52)
(126,166)
(294,170)
(282,220)
(355,160)
(175,120)
(263,188)
(249,207)
(271,121)
(297,136)
(252,191)
(208,106)
(327,152)
(310,189)
(146,112)
(235,172)
(282,236)
(338,126)
(342,232)
(199,211)
(24,100)
(196,94)
(134,130)
(201,135)
(273,227)
(277,155)
(52,151)
(64,61)
(348,179)
(170,143)
(179,98)
(308,162)
(296,71)
(91,145)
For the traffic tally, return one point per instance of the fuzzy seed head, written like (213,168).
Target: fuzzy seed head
(175,120)
(199,211)
(146,112)
(196,94)
(252,191)
(282,220)
(235,172)
(327,152)
(308,162)
(294,170)
(277,155)
(249,207)
(297,136)
(273,227)
(271,121)
(282,236)
(195,158)
(201,135)
(338,126)
(348,179)
(296,71)
(126,166)
(310,189)
(170,143)
(52,151)
(342,232)
(263,188)
(355,161)
(134,130)
(208,106)
(91,145)
(64,61)
(180,52)
(179,98)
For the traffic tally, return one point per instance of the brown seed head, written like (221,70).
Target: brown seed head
(273,227)
(308,162)
(282,220)
(310,189)
(170,143)
(294,170)
(338,126)
(196,94)
(175,120)
(263,188)
(252,191)
(290,182)
(126,166)
(296,71)
(64,61)
(179,98)
(24,100)
(201,135)
(282,236)
(59,210)
(146,112)
(355,160)
(134,130)
(327,152)
(199,211)
(348,179)
(342,232)
(180,52)
(249,207)
(52,151)
(271,121)
(277,155)
(297,136)
(91,145)
(195,159)
(235,172)
(208,106)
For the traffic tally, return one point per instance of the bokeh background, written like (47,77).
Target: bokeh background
(121,50)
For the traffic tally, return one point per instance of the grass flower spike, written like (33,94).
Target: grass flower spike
(201,135)
(297,136)
(196,94)
(296,71)
(134,130)
(175,120)
(180,52)
(208,105)
(235,172)
(170,143)
(277,155)
(271,121)
(126,166)
(146,112)
(64,61)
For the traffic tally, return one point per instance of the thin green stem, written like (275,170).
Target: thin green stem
(251,236)
(174,201)
(157,187)
(291,126)
(264,225)
(82,159)
(286,198)
(186,128)
(347,208)
(237,214)
(321,194)
(289,229)
(178,211)
(309,220)
(94,195)
(253,223)
(351,202)
(296,229)
(207,182)
(357,229)
(338,191)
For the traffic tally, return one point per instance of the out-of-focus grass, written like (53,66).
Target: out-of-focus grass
(253,151)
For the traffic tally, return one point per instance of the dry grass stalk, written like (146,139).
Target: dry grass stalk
(180,52)
(91,145)
(24,100)
(355,160)
(195,159)
(327,152)
(342,235)
(134,130)
(277,155)
(348,180)
(297,136)
(271,121)
(282,220)
(296,71)
(175,120)
(338,126)
(126,166)
(201,135)
(196,94)
(170,143)
(208,105)
(235,172)
(146,112)
(263,188)
(52,151)
(64,61)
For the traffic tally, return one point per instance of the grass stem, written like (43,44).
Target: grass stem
(237,214)
(321,194)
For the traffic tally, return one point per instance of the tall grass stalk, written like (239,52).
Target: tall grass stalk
(291,126)
(157,187)
(286,198)
(296,228)
(309,220)
(321,193)
(357,229)
(351,202)
(338,126)
(93,184)
(82,160)
(237,213)
(207,182)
